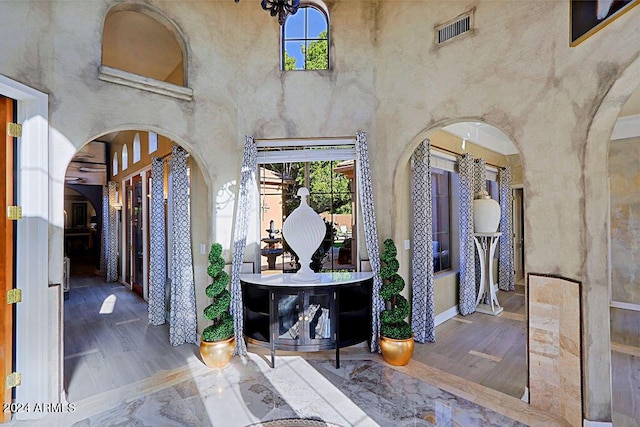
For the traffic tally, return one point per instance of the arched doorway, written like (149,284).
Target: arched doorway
(624,189)
(489,349)
(110,339)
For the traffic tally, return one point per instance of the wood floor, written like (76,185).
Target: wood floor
(625,366)
(108,341)
(484,349)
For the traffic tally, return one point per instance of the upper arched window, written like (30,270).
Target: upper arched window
(125,157)
(141,41)
(136,148)
(305,40)
(114,169)
(153,142)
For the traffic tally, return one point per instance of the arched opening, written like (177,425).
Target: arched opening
(597,368)
(483,343)
(624,200)
(139,40)
(112,323)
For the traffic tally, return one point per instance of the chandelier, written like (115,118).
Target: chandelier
(280,8)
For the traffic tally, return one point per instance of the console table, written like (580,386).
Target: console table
(330,313)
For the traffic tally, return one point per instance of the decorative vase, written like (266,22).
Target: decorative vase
(397,352)
(304,231)
(217,354)
(486,213)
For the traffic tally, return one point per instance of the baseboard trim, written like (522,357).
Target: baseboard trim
(625,305)
(446,315)
(587,423)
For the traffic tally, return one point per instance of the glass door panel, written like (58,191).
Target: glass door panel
(289,316)
(319,317)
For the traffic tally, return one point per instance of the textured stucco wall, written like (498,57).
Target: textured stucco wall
(516,72)
(624,182)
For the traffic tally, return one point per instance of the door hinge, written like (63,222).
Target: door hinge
(14,130)
(14,213)
(14,379)
(14,296)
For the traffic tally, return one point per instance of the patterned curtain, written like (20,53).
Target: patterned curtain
(423,305)
(157,246)
(182,318)
(505,273)
(467,303)
(105,231)
(363,173)
(246,197)
(111,235)
(479,184)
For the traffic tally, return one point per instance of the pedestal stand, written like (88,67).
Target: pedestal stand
(486,245)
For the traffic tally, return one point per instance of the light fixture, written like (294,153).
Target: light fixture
(280,8)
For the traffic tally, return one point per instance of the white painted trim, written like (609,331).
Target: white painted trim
(587,423)
(625,305)
(609,272)
(33,330)
(626,127)
(525,395)
(446,315)
(148,84)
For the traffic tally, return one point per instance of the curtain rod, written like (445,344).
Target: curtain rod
(324,138)
(458,154)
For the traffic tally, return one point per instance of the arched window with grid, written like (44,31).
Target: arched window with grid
(305,39)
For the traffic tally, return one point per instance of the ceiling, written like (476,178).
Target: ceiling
(89,165)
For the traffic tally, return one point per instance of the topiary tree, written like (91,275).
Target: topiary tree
(218,310)
(392,323)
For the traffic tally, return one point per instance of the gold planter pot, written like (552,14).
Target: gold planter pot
(217,354)
(397,352)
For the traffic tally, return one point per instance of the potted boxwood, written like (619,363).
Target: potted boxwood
(396,336)
(217,342)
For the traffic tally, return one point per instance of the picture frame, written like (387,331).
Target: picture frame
(590,16)
(79,215)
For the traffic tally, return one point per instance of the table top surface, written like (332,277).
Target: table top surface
(323,279)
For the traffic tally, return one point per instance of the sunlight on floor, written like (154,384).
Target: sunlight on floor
(309,393)
(108,304)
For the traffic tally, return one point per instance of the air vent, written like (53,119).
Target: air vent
(454,29)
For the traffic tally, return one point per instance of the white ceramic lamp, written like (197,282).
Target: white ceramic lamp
(486,213)
(304,231)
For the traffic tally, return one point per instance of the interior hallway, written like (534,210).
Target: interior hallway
(120,370)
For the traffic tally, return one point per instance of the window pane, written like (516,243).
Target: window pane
(294,56)
(492,189)
(441,211)
(294,26)
(316,24)
(317,55)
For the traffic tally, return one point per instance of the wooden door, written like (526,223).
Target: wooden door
(6,250)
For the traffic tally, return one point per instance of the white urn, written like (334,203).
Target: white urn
(304,231)
(486,213)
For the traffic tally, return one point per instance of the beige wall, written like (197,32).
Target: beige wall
(624,181)
(516,72)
